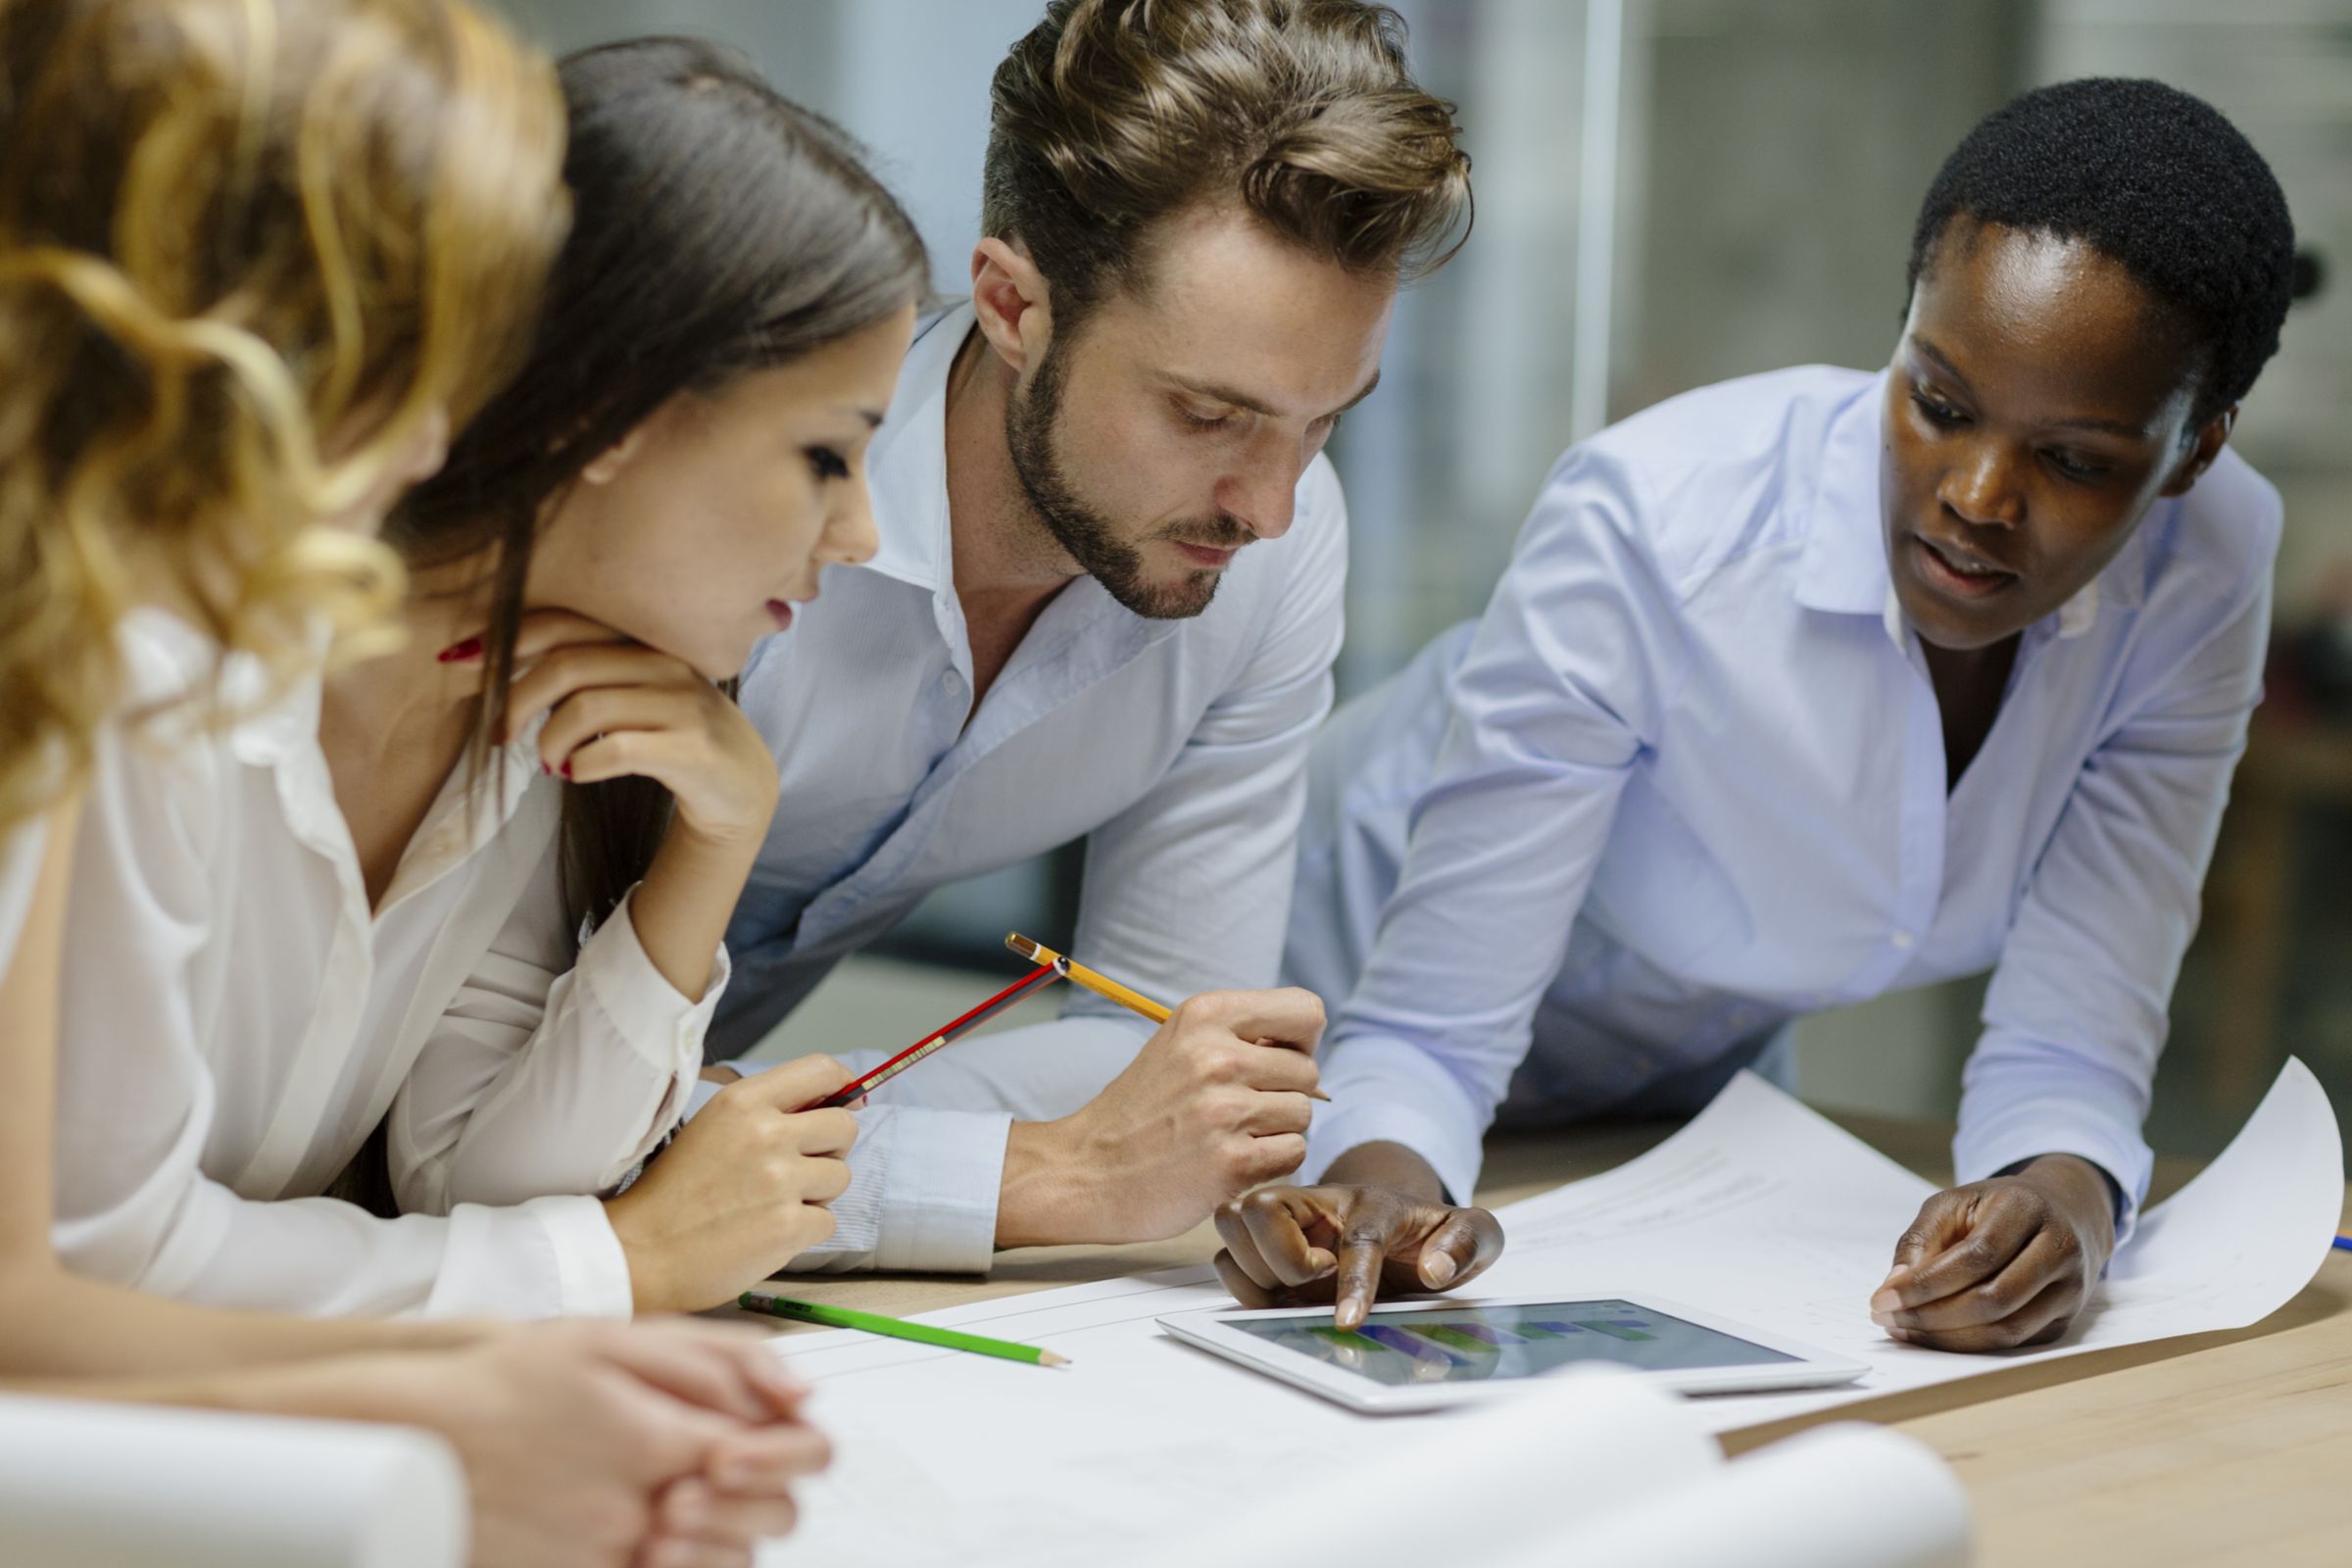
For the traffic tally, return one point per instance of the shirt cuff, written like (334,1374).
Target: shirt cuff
(654,1018)
(590,1265)
(549,1257)
(922,1194)
(1385,1091)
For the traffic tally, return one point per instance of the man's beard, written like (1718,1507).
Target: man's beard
(1085,533)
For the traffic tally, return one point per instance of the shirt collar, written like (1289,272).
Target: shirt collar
(908,468)
(1843,567)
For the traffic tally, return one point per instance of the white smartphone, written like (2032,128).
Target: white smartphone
(1419,1355)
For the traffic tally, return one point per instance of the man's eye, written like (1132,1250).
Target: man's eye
(828,464)
(1201,422)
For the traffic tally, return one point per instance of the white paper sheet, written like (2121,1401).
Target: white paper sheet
(1760,1210)
(1845,1496)
(1476,1489)
(1598,1467)
(1764,1211)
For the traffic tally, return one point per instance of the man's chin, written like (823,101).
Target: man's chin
(1177,598)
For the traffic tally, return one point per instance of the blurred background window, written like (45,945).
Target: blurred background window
(1707,188)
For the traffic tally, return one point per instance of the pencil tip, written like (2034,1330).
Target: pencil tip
(1052,1358)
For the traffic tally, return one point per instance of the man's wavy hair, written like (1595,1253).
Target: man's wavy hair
(1112,115)
(231,231)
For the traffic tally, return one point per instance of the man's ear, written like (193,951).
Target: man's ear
(606,466)
(2211,436)
(1009,294)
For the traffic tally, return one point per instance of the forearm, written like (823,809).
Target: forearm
(55,1325)
(683,904)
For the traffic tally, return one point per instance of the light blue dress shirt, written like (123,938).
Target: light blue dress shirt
(1176,748)
(1685,782)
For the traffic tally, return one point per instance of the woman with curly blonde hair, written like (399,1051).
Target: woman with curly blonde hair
(257,256)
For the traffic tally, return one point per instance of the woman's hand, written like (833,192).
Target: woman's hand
(585,1445)
(740,1193)
(617,708)
(2001,1262)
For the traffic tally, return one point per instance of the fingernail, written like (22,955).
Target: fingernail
(1437,1270)
(566,771)
(1898,1335)
(460,652)
(1885,1301)
(549,771)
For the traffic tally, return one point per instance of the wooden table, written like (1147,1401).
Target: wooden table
(2213,1448)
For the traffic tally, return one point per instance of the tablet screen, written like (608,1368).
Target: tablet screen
(1472,1344)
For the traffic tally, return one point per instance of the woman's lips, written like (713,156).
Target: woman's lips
(780,611)
(1957,576)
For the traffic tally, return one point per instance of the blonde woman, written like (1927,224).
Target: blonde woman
(253,261)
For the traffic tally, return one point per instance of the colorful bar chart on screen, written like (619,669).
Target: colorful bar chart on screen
(1463,1344)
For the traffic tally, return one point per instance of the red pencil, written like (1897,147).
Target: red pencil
(1043,974)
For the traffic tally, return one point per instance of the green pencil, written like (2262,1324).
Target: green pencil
(841,1317)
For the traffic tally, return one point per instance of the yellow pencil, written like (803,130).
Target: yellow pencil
(1102,985)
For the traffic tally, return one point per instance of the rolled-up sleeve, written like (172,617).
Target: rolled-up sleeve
(138,1102)
(2078,1009)
(554,1071)
(1560,689)
(929,1161)
(922,1194)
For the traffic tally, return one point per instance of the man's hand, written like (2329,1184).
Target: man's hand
(1381,1225)
(2001,1262)
(1214,1104)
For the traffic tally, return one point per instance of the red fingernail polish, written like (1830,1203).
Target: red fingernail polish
(549,771)
(566,771)
(460,652)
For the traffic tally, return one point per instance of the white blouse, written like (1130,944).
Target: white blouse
(237,1020)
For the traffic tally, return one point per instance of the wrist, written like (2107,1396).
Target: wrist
(710,847)
(1390,1165)
(2087,1189)
(1042,1199)
(648,1284)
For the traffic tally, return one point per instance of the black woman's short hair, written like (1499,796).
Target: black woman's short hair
(2154,177)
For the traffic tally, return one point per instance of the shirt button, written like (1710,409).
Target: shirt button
(950,683)
(1903,941)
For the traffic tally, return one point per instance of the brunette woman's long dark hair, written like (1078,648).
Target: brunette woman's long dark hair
(718,229)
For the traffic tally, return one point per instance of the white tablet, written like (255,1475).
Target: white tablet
(1416,1355)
